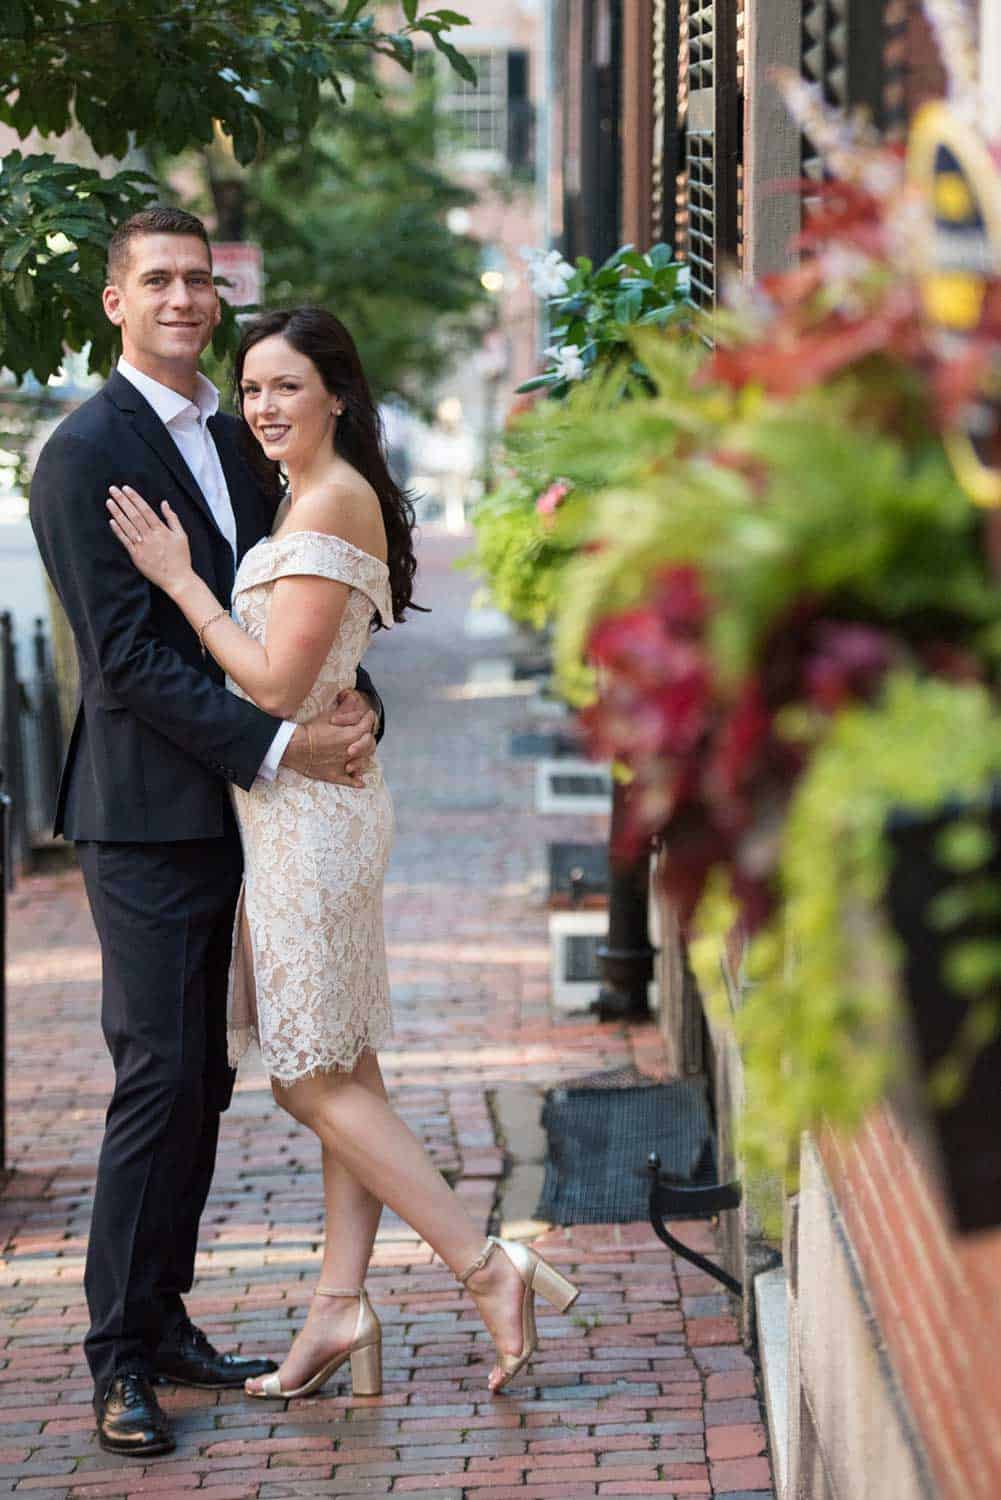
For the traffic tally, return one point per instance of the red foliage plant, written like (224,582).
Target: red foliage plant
(712,772)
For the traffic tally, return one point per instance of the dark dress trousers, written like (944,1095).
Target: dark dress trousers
(144,794)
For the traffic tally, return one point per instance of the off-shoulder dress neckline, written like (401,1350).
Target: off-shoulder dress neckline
(331,536)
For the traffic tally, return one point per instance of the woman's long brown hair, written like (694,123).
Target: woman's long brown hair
(322,338)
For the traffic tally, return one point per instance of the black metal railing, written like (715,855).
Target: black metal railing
(4,865)
(31,744)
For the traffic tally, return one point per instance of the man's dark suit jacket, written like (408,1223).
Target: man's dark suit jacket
(157,734)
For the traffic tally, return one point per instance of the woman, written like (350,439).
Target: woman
(308,977)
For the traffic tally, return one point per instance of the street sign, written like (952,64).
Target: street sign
(961,282)
(240,262)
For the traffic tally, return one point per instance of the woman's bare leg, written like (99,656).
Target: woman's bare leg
(351,1219)
(355,1123)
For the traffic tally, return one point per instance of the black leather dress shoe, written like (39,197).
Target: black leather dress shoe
(187,1358)
(130,1419)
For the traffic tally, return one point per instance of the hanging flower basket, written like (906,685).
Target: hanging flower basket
(944,900)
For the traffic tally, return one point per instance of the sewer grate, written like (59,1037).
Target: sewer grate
(599,1142)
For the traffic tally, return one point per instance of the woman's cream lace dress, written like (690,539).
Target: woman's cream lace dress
(308,976)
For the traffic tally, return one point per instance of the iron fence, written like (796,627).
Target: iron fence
(4,864)
(31,744)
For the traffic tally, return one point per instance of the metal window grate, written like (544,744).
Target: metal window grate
(579,786)
(701,150)
(580,957)
(712,107)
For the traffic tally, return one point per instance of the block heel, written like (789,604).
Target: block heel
(557,1290)
(366,1370)
(364,1351)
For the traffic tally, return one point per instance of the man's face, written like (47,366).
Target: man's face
(164,302)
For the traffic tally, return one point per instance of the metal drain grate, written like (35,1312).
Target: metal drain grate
(599,1142)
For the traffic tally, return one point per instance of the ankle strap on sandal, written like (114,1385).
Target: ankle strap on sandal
(336,1291)
(479,1262)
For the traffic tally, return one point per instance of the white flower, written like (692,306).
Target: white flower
(569,364)
(548,272)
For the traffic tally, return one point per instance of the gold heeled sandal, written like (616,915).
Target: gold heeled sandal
(538,1276)
(364,1352)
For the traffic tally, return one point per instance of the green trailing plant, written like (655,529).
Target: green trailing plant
(530,527)
(820,1025)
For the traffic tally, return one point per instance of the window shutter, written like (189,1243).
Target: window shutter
(843,53)
(667,124)
(520,115)
(713,142)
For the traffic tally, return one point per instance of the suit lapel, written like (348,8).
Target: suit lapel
(251,508)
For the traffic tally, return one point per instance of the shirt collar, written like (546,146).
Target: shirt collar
(170,404)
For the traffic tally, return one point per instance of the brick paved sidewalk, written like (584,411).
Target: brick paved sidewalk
(643,1390)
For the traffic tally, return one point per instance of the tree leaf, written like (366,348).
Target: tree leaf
(16,253)
(537,382)
(461,64)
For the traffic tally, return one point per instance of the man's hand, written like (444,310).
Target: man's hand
(343,743)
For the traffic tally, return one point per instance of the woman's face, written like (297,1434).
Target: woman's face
(285,403)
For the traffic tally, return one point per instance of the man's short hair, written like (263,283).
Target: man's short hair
(161,218)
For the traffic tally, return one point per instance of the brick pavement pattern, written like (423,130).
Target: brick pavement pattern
(643,1390)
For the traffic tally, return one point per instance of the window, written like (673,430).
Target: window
(494,114)
(480,109)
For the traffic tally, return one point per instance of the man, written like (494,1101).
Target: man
(144,795)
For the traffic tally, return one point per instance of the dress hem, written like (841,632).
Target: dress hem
(240,1042)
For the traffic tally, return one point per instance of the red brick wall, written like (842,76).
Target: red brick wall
(937,1298)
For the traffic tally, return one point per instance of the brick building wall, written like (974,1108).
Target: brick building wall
(936,1297)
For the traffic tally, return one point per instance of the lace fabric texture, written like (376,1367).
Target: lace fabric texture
(308,977)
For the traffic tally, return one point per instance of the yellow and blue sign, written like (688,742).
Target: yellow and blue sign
(961,287)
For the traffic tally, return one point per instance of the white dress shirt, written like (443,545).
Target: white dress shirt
(187,423)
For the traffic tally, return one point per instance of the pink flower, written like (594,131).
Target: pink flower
(550,500)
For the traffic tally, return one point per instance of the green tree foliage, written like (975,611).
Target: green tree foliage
(355,219)
(152,74)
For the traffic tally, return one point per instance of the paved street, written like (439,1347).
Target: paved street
(643,1390)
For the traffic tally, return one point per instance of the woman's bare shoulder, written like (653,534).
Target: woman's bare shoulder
(347,507)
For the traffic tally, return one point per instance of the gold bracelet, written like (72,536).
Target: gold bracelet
(309,747)
(205,625)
